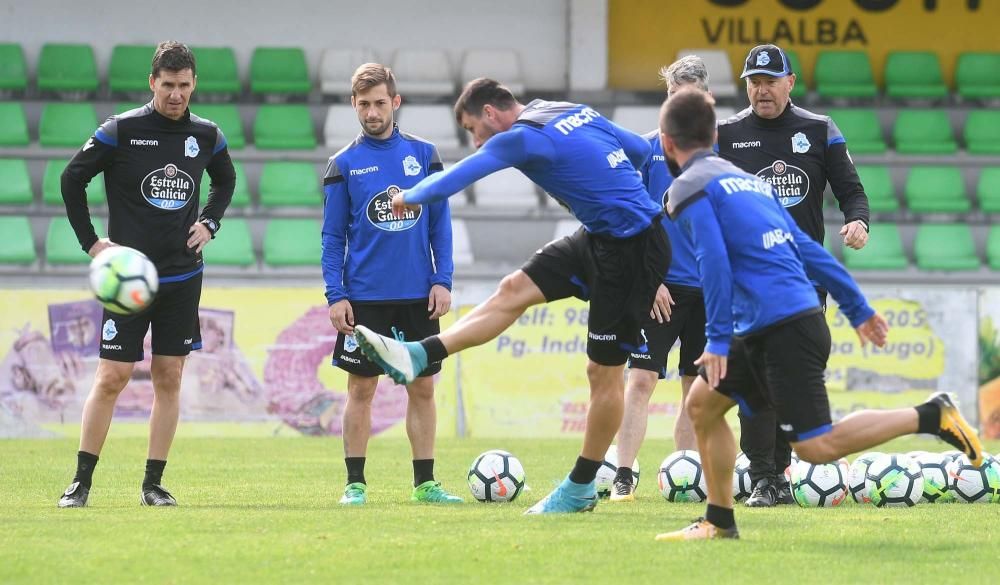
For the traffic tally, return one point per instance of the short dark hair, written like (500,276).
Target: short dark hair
(479,92)
(172,56)
(370,75)
(688,118)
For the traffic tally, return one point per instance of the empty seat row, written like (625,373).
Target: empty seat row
(71,68)
(930,189)
(947,247)
(918,131)
(286,242)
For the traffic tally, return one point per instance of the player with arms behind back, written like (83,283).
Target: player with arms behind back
(395,277)
(152,158)
(750,251)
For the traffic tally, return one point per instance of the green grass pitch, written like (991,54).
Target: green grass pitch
(264,510)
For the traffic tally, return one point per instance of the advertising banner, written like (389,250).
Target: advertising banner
(644,35)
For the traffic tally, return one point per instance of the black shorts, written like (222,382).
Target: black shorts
(403,321)
(687,323)
(619,276)
(784,367)
(173,316)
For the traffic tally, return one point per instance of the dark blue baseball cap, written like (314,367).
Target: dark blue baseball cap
(767,60)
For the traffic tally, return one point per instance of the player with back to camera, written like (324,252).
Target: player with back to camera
(750,251)
(687,317)
(362,244)
(798,152)
(152,158)
(616,260)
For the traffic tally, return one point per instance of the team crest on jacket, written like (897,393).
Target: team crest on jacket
(168,188)
(380,212)
(410,166)
(191,149)
(800,143)
(790,183)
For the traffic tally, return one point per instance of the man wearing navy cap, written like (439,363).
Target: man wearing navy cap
(798,153)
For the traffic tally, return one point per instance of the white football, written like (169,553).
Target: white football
(681,478)
(123,280)
(609,468)
(496,476)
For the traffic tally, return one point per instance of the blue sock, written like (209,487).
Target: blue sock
(419,355)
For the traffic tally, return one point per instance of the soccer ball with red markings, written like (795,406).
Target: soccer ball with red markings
(496,476)
(894,480)
(123,280)
(681,478)
(818,486)
(609,469)
(937,469)
(973,484)
(856,476)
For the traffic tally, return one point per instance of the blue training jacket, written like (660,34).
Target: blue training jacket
(369,255)
(754,260)
(582,159)
(657,178)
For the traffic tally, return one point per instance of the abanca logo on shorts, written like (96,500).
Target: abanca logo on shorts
(168,188)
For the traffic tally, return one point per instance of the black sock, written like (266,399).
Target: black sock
(434,348)
(624,475)
(928,418)
(85,463)
(423,471)
(355,469)
(584,471)
(154,472)
(720,517)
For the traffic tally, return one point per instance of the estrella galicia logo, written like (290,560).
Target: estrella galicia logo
(411,167)
(791,184)
(168,188)
(380,212)
(191,149)
(350,344)
(763,59)
(110,331)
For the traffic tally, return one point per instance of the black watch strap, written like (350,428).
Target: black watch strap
(211,224)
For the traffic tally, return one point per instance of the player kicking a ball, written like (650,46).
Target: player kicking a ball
(617,260)
(768,341)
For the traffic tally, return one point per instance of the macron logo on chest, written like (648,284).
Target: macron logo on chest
(144,142)
(364,171)
(574,121)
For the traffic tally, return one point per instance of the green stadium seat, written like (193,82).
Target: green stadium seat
(15,182)
(290,183)
(878,186)
(884,250)
(914,74)
(232,246)
(130,68)
(924,132)
(982,132)
(844,74)
(292,242)
(61,245)
(19,247)
(279,70)
(122,107)
(801,88)
(936,189)
(861,129)
(978,75)
(66,124)
(241,195)
(284,127)
(66,68)
(947,247)
(217,72)
(52,186)
(988,190)
(13,71)
(993,248)
(13,125)
(227,116)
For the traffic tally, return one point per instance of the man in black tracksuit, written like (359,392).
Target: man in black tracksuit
(798,152)
(152,158)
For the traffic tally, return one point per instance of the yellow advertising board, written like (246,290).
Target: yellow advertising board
(644,35)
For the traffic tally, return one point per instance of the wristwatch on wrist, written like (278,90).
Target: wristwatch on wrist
(211,224)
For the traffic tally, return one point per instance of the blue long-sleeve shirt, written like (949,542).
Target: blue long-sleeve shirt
(369,255)
(657,178)
(755,262)
(582,159)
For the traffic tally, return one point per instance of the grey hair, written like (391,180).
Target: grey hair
(688,70)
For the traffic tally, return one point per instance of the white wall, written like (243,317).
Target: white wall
(588,44)
(536,28)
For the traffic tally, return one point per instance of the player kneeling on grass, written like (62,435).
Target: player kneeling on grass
(362,243)
(755,265)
